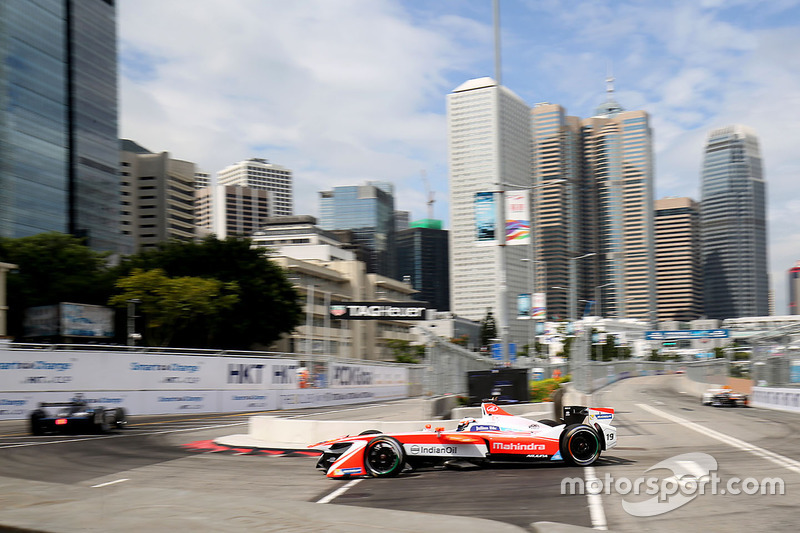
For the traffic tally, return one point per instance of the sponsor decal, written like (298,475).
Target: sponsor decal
(491,408)
(603,416)
(557,456)
(244,373)
(537,456)
(377,311)
(35,365)
(172,367)
(517,447)
(353,471)
(346,375)
(431,449)
(485,428)
(284,374)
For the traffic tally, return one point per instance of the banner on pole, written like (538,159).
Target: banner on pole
(518,218)
(485,218)
(539,309)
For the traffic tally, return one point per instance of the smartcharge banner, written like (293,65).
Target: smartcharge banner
(161,384)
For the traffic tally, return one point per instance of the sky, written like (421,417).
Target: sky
(345,91)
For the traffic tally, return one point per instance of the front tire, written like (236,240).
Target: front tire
(120,418)
(36,424)
(384,457)
(580,445)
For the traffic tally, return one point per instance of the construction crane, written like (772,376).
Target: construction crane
(429,193)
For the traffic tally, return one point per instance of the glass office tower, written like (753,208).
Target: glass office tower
(58,125)
(368,211)
(733,226)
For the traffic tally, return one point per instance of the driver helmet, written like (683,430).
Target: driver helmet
(463,423)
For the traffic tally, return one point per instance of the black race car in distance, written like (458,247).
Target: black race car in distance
(76,416)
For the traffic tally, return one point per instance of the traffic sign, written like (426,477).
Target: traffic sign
(687,334)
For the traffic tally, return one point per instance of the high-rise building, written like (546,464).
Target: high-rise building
(593,207)
(794,289)
(679,272)
(368,211)
(489,150)
(422,261)
(58,139)
(733,225)
(158,197)
(232,210)
(261,174)
(202,179)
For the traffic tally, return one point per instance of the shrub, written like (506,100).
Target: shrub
(542,389)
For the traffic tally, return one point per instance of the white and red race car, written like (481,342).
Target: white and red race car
(497,436)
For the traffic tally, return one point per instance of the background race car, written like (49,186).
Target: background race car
(577,439)
(76,416)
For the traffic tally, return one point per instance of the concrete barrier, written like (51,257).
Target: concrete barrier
(292,434)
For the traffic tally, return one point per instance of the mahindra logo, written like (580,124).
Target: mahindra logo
(491,408)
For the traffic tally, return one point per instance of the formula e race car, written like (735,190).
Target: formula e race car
(76,416)
(724,397)
(497,436)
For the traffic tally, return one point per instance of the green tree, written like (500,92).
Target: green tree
(267,306)
(172,305)
(488,328)
(404,352)
(53,268)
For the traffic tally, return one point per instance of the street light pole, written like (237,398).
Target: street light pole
(573,289)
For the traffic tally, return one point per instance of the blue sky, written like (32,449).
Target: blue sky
(343,91)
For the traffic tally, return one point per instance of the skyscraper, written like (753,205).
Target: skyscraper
(734,229)
(158,194)
(58,139)
(679,271)
(594,208)
(368,211)
(261,174)
(489,150)
(422,255)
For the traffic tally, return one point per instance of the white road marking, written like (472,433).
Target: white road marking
(596,513)
(44,443)
(338,492)
(780,460)
(109,483)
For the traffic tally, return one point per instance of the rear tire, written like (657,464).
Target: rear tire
(120,418)
(36,424)
(384,457)
(580,445)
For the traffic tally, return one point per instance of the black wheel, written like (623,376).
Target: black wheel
(36,424)
(371,432)
(548,422)
(580,445)
(384,457)
(120,418)
(101,424)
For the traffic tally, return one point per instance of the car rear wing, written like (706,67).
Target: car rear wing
(576,414)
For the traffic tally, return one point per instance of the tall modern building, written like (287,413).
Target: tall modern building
(489,150)
(593,207)
(679,270)
(794,289)
(261,174)
(734,228)
(232,210)
(368,211)
(422,261)
(157,197)
(58,133)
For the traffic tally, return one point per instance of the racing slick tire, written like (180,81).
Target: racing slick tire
(120,418)
(580,445)
(548,422)
(100,421)
(36,424)
(384,457)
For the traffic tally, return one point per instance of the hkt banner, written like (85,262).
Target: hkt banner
(518,218)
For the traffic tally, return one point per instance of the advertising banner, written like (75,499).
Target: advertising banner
(378,311)
(524,307)
(539,311)
(485,218)
(518,218)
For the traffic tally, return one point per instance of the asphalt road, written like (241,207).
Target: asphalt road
(171,461)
